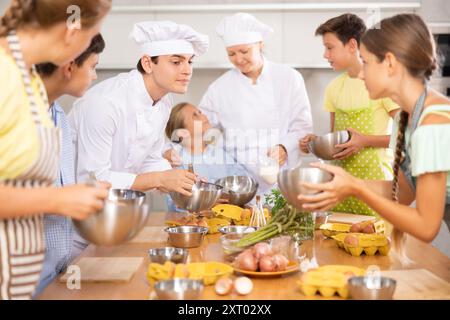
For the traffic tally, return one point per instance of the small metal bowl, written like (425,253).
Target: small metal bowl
(237,229)
(179,289)
(229,241)
(186,236)
(161,255)
(371,288)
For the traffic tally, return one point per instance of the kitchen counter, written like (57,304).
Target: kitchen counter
(423,256)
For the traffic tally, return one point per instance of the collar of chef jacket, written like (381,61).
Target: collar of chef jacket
(264,72)
(138,86)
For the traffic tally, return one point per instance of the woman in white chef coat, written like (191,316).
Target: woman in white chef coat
(266,100)
(119,123)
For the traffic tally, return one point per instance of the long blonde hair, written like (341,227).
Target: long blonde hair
(409,39)
(176,119)
(45,13)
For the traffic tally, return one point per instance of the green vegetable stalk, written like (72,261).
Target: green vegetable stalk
(285,220)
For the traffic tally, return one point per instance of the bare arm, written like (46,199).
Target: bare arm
(423,222)
(76,201)
(147,181)
(171,180)
(384,188)
(376,141)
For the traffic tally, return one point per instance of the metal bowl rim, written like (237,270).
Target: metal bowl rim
(203,230)
(358,281)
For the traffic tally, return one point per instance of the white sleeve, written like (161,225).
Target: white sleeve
(96,124)
(155,161)
(300,123)
(208,107)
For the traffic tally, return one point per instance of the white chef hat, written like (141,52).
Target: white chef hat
(242,28)
(157,38)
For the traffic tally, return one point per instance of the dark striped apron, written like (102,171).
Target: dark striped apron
(22,244)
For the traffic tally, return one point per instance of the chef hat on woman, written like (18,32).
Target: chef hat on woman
(242,28)
(157,38)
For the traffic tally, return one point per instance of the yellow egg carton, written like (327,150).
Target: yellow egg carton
(209,272)
(328,280)
(332,229)
(358,243)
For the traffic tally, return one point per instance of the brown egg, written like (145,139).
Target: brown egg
(223,286)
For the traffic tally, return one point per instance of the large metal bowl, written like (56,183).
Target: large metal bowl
(186,236)
(204,196)
(179,289)
(238,190)
(124,214)
(323,147)
(369,288)
(289,182)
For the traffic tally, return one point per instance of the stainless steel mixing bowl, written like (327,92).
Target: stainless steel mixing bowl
(369,288)
(323,147)
(238,190)
(186,236)
(161,255)
(204,196)
(289,182)
(179,289)
(124,214)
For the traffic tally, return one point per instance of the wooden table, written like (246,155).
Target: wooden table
(423,255)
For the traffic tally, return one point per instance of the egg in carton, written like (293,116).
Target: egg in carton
(331,229)
(358,243)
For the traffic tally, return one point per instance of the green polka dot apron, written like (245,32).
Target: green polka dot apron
(366,164)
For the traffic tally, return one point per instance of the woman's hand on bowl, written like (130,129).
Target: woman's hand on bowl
(79,201)
(330,193)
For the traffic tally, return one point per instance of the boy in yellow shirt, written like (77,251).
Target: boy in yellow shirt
(347,99)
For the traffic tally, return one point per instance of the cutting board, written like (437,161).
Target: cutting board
(120,269)
(150,234)
(337,217)
(418,284)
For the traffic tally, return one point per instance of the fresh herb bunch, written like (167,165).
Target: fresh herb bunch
(276,200)
(289,221)
(285,220)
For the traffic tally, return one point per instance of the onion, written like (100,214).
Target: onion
(267,264)
(223,286)
(243,285)
(246,261)
(261,249)
(281,262)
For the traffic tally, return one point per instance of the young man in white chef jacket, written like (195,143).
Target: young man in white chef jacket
(119,123)
(266,99)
